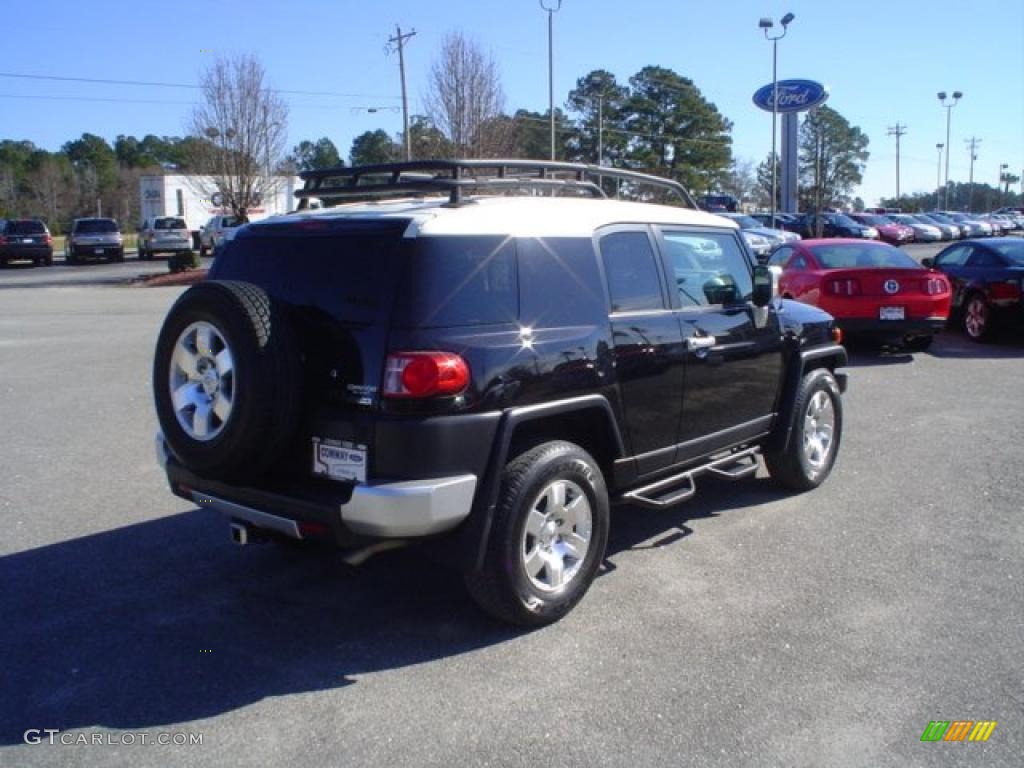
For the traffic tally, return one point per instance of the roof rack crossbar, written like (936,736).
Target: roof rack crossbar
(458,176)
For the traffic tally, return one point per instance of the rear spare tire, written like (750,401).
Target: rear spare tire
(226,378)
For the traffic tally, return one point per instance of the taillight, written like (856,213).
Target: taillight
(935,286)
(48,239)
(847,287)
(3,240)
(425,374)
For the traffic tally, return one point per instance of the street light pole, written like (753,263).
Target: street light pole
(598,83)
(765,24)
(1003,176)
(556,5)
(938,175)
(957,95)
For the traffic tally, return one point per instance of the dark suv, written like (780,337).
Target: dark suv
(25,239)
(486,371)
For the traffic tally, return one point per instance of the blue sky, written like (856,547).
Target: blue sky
(884,62)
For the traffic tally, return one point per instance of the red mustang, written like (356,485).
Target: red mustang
(872,289)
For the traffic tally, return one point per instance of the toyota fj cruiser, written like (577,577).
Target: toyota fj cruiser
(486,363)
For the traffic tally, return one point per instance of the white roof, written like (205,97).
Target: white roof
(519,216)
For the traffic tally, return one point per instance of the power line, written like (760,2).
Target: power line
(668,136)
(157,84)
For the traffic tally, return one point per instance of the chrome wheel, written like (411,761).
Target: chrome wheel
(976,317)
(557,535)
(202,381)
(819,428)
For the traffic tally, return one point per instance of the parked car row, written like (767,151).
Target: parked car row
(874,290)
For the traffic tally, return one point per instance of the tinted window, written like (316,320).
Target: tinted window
(95,226)
(954,257)
(25,227)
(708,268)
(630,269)
(348,272)
(983,258)
(840,220)
(850,255)
(460,280)
(1013,251)
(169,223)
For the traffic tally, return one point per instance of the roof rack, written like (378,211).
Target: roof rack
(458,177)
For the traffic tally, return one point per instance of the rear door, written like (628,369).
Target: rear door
(648,349)
(953,263)
(733,354)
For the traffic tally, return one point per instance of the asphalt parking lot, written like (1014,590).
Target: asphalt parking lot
(745,627)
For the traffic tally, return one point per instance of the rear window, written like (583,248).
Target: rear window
(854,255)
(460,280)
(1014,251)
(95,226)
(26,227)
(348,272)
(170,223)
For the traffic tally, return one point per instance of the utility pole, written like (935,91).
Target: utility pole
(972,145)
(399,42)
(938,178)
(551,7)
(897,131)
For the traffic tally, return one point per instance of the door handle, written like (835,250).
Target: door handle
(698,343)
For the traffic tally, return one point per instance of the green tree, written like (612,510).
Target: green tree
(373,147)
(832,157)
(427,141)
(598,105)
(532,135)
(674,131)
(308,155)
(764,183)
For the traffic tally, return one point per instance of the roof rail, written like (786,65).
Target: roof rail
(457,177)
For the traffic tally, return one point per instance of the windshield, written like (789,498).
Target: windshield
(904,219)
(842,220)
(862,255)
(169,224)
(95,226)
(875,221)
(25,227)
(747,222)
(1012,251)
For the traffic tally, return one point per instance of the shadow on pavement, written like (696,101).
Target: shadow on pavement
(165,622)
(1008,344)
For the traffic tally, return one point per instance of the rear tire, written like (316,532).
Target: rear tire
(978,324)
(918,343)
(548,536)
(816,429)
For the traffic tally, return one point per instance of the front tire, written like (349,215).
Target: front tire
(548,538)
(813,444)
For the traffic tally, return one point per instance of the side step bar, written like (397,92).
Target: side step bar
(676,488)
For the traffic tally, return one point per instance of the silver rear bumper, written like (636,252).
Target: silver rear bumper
(403,509)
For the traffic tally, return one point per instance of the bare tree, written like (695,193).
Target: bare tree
(242,125)
(465,99)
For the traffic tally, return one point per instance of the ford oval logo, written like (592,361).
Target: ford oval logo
(891,286)
(794,96)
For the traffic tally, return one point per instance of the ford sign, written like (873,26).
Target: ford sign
(794,96)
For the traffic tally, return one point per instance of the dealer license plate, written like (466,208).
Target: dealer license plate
(339,460)
(890,313)
(98,251)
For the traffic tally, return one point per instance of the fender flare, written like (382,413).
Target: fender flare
(477,528)
(831,356)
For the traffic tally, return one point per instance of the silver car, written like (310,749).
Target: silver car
(923,233)
(93,238)
(164,234)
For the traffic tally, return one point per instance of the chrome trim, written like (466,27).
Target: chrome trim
(411,507)
(248,514)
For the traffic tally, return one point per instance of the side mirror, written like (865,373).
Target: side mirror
(928,262)
(766,284)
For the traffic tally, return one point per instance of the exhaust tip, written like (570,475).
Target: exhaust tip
(240,534)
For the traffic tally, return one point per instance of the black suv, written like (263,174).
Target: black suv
(487,370)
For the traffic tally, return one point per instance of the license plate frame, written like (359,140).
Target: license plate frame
(892,313)
(340,460)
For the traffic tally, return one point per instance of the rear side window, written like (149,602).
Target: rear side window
(25,227)
(95,226)
(460,280)
(629,267)
(169,224)
(709,268)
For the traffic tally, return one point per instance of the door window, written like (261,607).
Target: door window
(631,271)
(954,257)
(984,259)
(708,268)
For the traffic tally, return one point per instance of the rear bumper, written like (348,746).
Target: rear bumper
(98,251)
(906,327)
(14,252)
(344,513)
